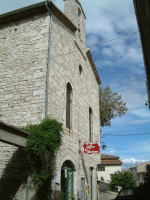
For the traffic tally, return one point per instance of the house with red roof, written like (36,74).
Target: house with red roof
(109,165)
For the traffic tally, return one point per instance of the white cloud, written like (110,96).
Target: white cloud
(110,151)
(109,17)
(132,161)
(113,152)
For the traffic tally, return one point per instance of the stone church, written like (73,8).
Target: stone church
(47,71)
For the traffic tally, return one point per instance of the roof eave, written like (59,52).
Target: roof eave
(88,53)
(34,9)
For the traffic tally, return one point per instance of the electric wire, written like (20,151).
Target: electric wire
(113,39)
(126,135)
(101,43)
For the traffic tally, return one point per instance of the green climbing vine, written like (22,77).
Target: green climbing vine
(41,147)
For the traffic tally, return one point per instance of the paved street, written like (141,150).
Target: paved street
(106,196)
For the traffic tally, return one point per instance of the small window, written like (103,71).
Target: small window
(101,169)
(80,70)
(90,125)
(69,106)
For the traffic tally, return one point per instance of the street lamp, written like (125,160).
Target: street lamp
(104,146)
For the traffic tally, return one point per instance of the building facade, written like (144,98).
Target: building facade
(138,172)
(109,165)
(47,71)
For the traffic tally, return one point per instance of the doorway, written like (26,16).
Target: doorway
(67,180)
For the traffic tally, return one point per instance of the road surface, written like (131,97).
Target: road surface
(106,197)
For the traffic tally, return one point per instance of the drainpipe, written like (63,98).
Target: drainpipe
(91,182)
(48,60)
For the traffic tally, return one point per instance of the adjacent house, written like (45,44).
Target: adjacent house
(47,71)
(109,165)
(138,172)
(142,11)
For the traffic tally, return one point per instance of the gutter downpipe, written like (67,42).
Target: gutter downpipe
(91,182)
(48,60)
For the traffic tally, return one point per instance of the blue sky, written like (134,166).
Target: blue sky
(120,65)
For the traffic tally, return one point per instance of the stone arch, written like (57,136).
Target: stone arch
(67,179)
(69,164)
(70,160)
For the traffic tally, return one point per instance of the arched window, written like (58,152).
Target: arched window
(90,125)
(80,70)
(69,106)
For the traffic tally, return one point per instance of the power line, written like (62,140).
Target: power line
(105,135)
(136,108)
(114,39)
(101,43)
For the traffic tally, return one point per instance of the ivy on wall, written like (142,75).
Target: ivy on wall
(41,147)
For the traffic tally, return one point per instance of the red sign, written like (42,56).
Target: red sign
(91,148)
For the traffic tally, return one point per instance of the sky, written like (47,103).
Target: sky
(120,65)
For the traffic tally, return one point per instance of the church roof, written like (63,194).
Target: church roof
(88,53)
(36,9)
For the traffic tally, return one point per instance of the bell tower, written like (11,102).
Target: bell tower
(73,10)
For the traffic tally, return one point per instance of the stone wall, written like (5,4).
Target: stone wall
(13,172)
(23,59)
(73,10)
(23,75)
(64,68)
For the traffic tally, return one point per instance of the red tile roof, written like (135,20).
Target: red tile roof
(115,162)
(105,157)
(110,160)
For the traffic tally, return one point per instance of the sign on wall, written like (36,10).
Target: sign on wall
(91,148)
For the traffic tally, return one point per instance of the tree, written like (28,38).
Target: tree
(111,105)
(124,179)
(142,191)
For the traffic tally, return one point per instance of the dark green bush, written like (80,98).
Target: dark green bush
(124,179)
(41,147)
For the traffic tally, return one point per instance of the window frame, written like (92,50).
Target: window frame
(101,168)
(69,106)
(90,124)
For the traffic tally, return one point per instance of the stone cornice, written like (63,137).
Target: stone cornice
(88,53)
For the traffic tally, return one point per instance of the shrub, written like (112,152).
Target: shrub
(44,141)
(124,179)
